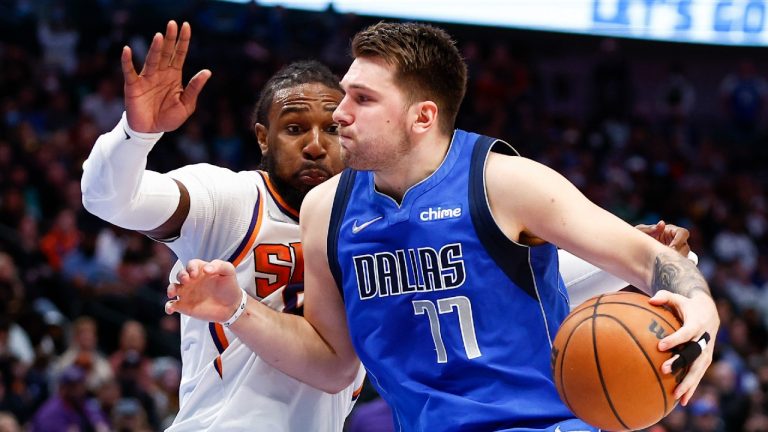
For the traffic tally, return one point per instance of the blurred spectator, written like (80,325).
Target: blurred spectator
(227,144)
(756,423)
(83,353)
(81,267)
(733,401)
(106,398)
(733,243)
(12,291)
(677,95)
(131,375)
(8,422)
(132,345)
(70,409)
(191,145)
(59,41)
(743,94)
(705,415)
(166,372)
(14,342)
(128,416)
(9,401)
(675,421)
(611,83)
(104,106)
(61,239)
(52,338)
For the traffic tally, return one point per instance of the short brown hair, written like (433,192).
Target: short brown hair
(427,63)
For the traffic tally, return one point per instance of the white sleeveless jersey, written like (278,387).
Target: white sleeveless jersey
(239,217)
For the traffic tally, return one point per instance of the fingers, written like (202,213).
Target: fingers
(126,61)
(153,55)
(170,307)
(647,229)
(219,268)
(172,290)
(690,331)
(169,43)
(683,334)
(684,391)
(197,268)
(182,46)
(654,230)
(193,89)
(679,238)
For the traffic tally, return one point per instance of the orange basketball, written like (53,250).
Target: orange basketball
(606,363)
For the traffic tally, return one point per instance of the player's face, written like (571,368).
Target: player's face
(301,144)
(372,116)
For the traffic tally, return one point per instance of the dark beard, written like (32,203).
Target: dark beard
(292,196)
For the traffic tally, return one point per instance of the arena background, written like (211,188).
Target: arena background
(647,129)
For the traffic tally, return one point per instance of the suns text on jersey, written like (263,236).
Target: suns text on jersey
(408,271)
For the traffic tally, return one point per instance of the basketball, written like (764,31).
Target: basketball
(607,366)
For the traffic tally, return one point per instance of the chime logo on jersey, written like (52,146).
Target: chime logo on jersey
(407,271)
(439,213)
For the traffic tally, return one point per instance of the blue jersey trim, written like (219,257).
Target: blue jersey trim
(499,247)
(343,190)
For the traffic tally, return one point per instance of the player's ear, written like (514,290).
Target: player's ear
(425,116)
(261,137)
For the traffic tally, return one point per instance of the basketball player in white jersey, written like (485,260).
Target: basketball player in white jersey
(247,218)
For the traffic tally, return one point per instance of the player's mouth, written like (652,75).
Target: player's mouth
(313,176)
(344,138)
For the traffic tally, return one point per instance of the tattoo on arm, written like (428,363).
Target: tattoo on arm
(677,274)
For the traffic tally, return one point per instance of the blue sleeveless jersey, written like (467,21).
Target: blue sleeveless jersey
(453,321)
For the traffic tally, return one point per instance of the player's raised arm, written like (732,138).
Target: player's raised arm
(553,209)
(315,348)
(115,184)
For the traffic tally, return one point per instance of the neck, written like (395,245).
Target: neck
(420,162)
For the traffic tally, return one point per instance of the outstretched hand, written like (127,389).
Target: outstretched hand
(206,290)
(155,99)
(671,235)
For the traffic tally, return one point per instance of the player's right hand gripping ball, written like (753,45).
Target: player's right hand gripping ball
(607,365)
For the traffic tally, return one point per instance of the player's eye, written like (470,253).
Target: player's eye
(293,129)
(333,129)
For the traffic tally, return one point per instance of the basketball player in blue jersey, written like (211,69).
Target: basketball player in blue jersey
(249,218)
(432,258)
(390,281)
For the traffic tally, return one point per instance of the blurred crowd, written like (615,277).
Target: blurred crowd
(646,130)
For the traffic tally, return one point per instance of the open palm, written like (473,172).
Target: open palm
(155,99)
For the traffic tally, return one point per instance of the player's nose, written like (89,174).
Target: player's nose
(314,148)
(341,114)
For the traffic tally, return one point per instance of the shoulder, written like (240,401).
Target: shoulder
(203,170)
(317,205)
(321,197)
(508,169)
(214,178)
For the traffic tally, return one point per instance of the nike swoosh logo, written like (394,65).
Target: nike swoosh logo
(357,228)
(127,137)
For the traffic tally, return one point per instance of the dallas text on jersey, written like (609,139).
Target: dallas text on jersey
(407,271)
